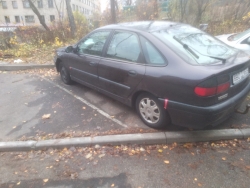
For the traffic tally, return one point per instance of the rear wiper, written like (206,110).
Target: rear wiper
(185,46)
(194,54)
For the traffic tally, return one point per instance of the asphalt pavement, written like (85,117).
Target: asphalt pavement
(39,109)
(207,165)
(36,105)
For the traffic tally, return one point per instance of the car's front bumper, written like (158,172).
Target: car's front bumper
(200,117)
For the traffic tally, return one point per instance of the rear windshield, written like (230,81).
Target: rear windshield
(194,45)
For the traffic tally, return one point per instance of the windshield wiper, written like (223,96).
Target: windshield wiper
(219,58)
(185,46)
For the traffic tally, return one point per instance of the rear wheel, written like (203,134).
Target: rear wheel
(65,76)
(151,111)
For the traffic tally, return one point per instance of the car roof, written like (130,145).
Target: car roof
(146,26)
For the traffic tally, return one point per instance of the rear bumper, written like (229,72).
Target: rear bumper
(200,117)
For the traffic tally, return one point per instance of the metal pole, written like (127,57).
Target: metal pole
(113,14)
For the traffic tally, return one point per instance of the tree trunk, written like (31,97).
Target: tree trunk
(35,10)
(71,18)
(112,9)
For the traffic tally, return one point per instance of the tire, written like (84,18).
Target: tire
(65,76)
(152,112)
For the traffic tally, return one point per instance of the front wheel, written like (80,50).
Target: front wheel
(151,111)
(65,76)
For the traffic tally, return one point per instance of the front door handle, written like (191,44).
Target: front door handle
(92,63)
(132,73)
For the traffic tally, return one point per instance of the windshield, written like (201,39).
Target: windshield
(196,46)
(238,35)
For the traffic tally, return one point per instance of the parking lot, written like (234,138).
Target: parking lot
(70,110)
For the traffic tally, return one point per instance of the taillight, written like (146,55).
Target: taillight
(213,86)
(205,92)
(223,87)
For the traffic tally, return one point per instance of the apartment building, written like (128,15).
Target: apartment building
(18,12)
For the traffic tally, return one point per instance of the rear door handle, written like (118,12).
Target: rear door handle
(132,73)
(92,63)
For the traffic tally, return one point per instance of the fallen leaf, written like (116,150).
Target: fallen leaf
(18,183)
(224,158)
(84,108)
(101,156)
(45,180)
(112,185)
(188,145)
(88,156)
(166,162)
(46,116)
(199,184)
(160,150)
(14,127)
(248,167)
(142,149)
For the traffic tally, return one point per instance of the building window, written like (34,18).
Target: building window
(7,19)
(40,4)
(17,19)
(26,4)
(29,19)
(14,4)
(4,4)
(50,4)
(52,18)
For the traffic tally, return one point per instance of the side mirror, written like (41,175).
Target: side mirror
(69,49)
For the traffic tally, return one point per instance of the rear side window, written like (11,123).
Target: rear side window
(152,55)
(124,46)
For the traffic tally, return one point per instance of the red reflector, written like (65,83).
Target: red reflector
(223,87)
(204,92)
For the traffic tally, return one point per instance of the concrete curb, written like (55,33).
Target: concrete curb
(11,67)
(142,138)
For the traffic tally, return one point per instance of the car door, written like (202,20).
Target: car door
(123,67)
(83,67)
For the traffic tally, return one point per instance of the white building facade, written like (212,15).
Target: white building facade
(18,12)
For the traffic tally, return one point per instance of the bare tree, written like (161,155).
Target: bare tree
(183,9)
(128,2)
(156,12)
(59,14)
(41,19)
(71,18)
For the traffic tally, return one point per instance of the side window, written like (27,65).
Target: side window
(124,46)
(93,44)
(152,55)
(246,41)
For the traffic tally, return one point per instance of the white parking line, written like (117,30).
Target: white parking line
(87,103)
